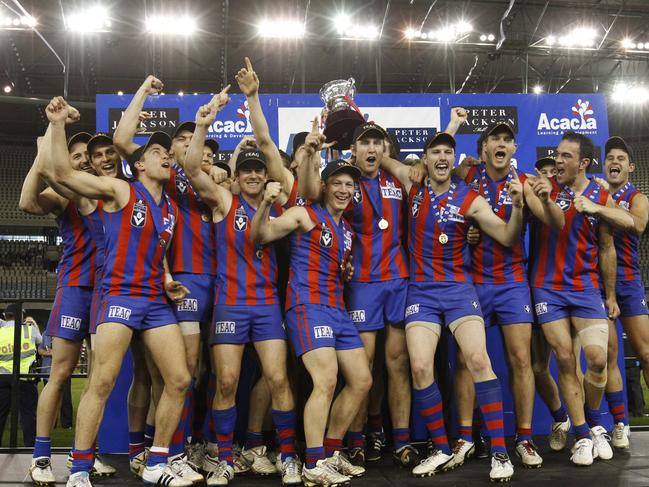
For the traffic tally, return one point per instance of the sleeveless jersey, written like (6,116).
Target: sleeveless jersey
(316,257)
(193,249)
(567,259)
(626,243)
(493,263)
(295,198)
(429,259)
(246,273)
(136,239)
(95,226)
(77,264)
(378,254)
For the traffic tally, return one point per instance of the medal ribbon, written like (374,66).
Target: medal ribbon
(162,228)
(378,210)
(502,196)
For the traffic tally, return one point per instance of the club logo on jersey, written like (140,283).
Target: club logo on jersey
(119,312)
(299,201)
(582,121)
(188,305)
(181,185)
(348,240)
(625,205)
(326,237)
(541,308)
(412,309)
(357,315)
(138,216)
(390,191)
(454,214)
(323,332)
(416,204)
(70,322)
(225,327)
(475,185)
(357,197)
(527,308)
(240,220)
(644,302)
(563,201)
(475,304)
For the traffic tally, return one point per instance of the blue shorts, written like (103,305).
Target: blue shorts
(138,314)
(244,324)
(312,326)
(371,305)
(441,303)
(198,304)
(70,315)
(551,305)
(631,298)
(505,304)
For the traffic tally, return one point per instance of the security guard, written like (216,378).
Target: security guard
(27,389)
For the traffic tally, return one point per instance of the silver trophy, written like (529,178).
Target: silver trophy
(342,118)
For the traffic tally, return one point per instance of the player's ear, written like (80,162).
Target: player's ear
(631,167)
(353,148)
(515,148)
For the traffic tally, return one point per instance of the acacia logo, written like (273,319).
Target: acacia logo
(234,128)
(582,121)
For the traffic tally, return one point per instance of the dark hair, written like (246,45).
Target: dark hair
(586,146)
(481,139)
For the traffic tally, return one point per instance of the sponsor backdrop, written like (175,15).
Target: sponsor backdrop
(539,121)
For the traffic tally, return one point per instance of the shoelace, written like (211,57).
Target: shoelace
(291,468)
(529,448)
(618,433)
(458,446)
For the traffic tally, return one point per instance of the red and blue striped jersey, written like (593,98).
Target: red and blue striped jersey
(430,260)
(378,254)
(316,256)
(77,264)
(246,273)
(493,263)
(136,239)
(295,198)
(193,249)
(626,243)
(567,259)
(95,226)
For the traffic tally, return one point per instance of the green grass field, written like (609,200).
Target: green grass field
(63,438)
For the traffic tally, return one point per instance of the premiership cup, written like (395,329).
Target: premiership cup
(343,116)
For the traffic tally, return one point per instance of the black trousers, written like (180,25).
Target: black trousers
(27,401)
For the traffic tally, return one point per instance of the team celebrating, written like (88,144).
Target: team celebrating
(355,269)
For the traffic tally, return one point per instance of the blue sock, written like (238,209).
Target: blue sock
(157,455)
(224,420)
(42,447)
(429,403)
(254,439)
(286,426)
(149,433)
(581,431)
(489,397)
(560,415)
(400,437)
(135,443)
(616,406)
(312,455)
(82,460)
(593,417)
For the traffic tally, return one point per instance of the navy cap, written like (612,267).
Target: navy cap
(189,126)
(499,126)
(439,138)
(367,129)
(99,139)
(212,144)
(79,137)
(155,138)
(298,140)
(225,167)
(339,166)
(544,161)
(616,142)
(248,159)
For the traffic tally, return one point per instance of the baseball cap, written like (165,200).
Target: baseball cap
(189,126)
(499,126)
(225,167)
(97,139)
(298,140)
(544,161)
(367,129)
(79,137)
(439,138)
(339,166)
(616,142)
(249,159)
(212,144)
(155,138)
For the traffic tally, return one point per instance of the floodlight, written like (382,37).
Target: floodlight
(7,89)
(537,89)
(93,19)
(171,25)
(281,29)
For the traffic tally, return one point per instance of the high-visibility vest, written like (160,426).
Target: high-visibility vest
(27,349)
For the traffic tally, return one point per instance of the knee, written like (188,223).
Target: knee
(325,383)
(596,359)
(422,371)
(226,384)
(362,382)
(478,362)
(277,380)
(101,385)
(565,359)
(540,366)
(520,360)
(178,382)
(396,361)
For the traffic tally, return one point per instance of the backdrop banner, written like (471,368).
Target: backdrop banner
(539,122)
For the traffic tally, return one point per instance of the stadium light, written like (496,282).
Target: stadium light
(448,34)
(18,23)
(93,19)
(120,93)
(7,89)
(170,25)
(287,29)
(538,89)
(580,37)
(637,94)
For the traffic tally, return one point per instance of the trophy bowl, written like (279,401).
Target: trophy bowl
(342,118)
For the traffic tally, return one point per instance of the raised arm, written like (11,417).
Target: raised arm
(610,213)
(127,127)
(537,190)
(80,182)
(308,158)
(608,268)
(397,169)
(249,86)
(211,193)
(508,233)
(264,230)
(459,116)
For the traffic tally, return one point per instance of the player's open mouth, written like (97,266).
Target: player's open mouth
(500,155)
(108,167)
(614,171)
(442,166)
(560,172)
(342,198)
(166,165)
(371,159)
